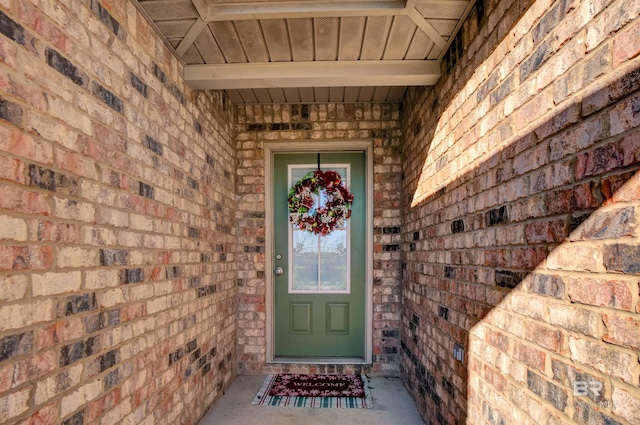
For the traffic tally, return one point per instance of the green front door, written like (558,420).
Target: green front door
(320,293)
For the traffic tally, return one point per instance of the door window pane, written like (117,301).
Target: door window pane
(304,261)
(319,263)
(334,261)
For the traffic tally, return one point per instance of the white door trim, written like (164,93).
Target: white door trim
(270,148)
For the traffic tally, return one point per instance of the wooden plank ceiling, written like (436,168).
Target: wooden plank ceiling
(292,51)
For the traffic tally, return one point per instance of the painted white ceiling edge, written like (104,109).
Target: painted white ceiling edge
(310,74)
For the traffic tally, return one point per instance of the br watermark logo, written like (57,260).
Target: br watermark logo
(586,388)
(591,389)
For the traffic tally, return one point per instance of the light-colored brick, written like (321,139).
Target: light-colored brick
(626,403)
(86,393)
(16,316)
(13,228)
(55,283)
(604,358)
(13,287)
(14,404)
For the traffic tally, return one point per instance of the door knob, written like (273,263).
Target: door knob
(278,271)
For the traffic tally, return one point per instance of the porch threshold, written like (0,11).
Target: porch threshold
(319,360)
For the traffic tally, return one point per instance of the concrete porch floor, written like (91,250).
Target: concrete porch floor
(391,405)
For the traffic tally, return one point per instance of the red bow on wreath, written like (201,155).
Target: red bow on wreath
(335,211)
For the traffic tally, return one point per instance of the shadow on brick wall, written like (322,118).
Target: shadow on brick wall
(512,263)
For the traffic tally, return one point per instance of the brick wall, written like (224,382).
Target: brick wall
(316,123)
(117,222)
(521,210)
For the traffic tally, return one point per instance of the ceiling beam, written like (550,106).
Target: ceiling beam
(426,27)
(312,74)
(320,9)
(191,37)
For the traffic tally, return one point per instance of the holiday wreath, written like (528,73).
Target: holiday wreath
(325,218)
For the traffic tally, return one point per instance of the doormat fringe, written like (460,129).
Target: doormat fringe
(273,384)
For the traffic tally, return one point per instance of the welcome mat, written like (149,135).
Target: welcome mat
(326,390)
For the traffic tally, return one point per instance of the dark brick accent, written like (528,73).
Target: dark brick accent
(209,159)
(112,379)
(193,184)
(138,84)
(206,290)
(102,320)
(415,319)
(449,272)
(256,127)
(194,232)
(547,390)
(198,127)
(206,369)
(10,111)
(75,304)
(302,126)
(278,126)
(457,226)
(448,387)
(47,179)
(501,91)
(443,312)
(391,247)
(15,345)
(71,353)
(176,355)
(159,74)
(491,415)
(107,19)
(538,57)
(191,345)
(416,236)
(114,257)
(585,414)
(76,419)
(146,190)
(205,258)
(108,360)
(109,99)
(485,88)
(390,230)
(15,31)
(552,286)
(195,356)
(577,221)
(133,275)
(175,91)
(548,22)
(390,333)
(412,246)
(194,281)
(497,216)
(622,258)
(249,248)
(567,375)
(153,145)
(66,68)
(173,272)
(508,279)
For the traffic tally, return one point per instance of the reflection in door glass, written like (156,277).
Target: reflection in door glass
(304,260)
(333,261)
(319,263)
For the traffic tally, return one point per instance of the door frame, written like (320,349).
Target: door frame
(270,149)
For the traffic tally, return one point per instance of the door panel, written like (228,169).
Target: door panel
(319,298)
